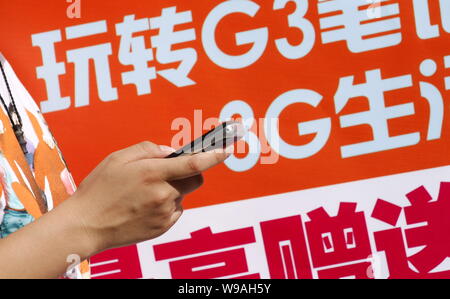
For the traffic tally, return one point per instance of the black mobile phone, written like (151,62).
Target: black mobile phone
(220,137)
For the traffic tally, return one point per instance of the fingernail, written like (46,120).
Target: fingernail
(223,151)
(166,148)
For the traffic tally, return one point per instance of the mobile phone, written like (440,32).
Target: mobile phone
(220,137)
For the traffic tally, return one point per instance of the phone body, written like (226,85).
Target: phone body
(220,137)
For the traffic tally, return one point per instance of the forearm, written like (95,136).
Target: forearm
(41,249)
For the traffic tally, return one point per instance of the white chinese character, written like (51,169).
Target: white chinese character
(431,93)
(81,57)
(166,38)
(133,52)
(378,115)
(424,28)
(447,65)
(359,24)
(50,71)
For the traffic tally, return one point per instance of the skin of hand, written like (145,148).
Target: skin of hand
(138,193)
(132,196)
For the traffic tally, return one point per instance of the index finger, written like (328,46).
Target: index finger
(188,166)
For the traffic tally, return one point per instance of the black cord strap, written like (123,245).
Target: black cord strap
(13,103)
(16,122)
(14,116)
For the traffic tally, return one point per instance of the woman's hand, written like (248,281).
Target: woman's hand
(133,195)
(136,195)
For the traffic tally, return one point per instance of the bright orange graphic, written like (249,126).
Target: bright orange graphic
(283,50)
(358,90)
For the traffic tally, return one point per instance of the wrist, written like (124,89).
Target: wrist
(84,237)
